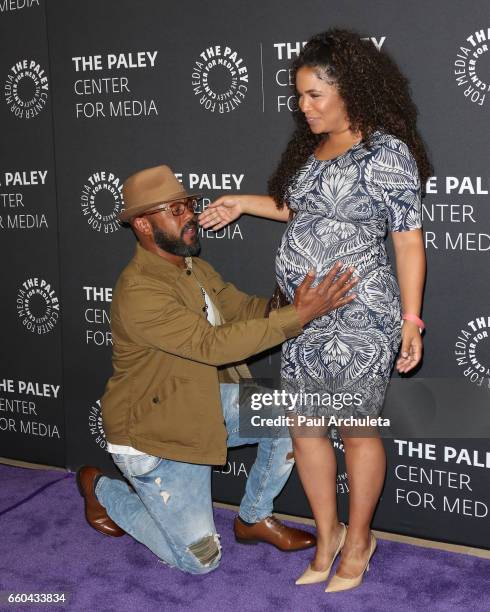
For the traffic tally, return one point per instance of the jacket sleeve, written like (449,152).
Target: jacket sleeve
(158,319)
(238,306)
(235,305)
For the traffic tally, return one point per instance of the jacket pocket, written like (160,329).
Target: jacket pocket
(216,285)
(173,413)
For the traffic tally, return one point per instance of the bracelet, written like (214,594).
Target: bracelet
(415,319)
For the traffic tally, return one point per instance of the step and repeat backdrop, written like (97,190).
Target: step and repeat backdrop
(94,91)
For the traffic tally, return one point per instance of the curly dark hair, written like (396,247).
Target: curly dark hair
(376,96)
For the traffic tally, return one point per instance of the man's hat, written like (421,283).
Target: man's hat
(149,188)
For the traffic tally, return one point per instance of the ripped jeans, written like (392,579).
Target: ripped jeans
(170,509)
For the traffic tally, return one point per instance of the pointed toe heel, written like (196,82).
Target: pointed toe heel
(337,583)
(311,576)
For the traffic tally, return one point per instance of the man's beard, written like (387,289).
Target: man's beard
(177,246)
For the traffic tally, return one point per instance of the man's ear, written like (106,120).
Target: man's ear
(142,225)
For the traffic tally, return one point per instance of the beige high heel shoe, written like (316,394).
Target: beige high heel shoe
(337,583)
(311,576)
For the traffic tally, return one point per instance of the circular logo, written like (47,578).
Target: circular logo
(95,425)
(38,306)
(101,202)
(26,89)
(472,350)
(472,67)
(220,79)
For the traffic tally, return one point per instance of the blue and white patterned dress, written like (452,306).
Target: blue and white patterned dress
(343,209)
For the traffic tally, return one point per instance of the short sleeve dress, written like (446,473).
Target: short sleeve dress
(344,208)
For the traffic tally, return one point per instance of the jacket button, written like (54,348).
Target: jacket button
(188,272)
(214,290)
(156,400)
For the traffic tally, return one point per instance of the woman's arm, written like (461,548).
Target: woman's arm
(410,268)
(228,208)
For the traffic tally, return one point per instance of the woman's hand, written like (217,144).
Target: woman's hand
(221,212)
(411,349)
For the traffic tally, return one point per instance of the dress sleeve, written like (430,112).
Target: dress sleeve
(394,171)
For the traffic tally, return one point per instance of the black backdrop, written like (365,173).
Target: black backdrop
(92,92)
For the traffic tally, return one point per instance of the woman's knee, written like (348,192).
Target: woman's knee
(309,444)
(361,440)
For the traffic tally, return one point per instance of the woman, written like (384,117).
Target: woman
(352,169)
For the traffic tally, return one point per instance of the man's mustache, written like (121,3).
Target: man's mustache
(189,225)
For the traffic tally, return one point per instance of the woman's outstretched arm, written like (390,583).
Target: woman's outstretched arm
(228,208)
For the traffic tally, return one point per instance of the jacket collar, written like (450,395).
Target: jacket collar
(157,265)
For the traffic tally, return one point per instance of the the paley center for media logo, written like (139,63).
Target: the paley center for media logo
(220,79)
(26,89)
(471,66)
(472,350)
(38,306)
(101,201)
(95,425)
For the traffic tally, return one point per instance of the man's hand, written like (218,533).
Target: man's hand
(313,302)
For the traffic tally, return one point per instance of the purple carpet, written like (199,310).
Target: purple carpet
(46,546)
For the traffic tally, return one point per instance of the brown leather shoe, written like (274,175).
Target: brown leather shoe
(272,531)
(95,513)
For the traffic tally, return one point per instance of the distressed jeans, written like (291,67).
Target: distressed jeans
(169,508)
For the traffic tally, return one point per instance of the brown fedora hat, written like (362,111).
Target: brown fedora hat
(149,188)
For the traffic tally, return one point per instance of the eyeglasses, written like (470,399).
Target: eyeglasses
(177,208)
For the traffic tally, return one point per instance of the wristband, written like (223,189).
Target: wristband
(415,319)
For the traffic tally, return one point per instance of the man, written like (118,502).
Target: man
(177,327)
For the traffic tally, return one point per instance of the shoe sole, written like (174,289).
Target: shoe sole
(255,542)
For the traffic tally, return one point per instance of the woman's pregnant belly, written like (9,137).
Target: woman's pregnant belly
(314,242)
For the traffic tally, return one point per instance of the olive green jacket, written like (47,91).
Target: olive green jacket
(163,397)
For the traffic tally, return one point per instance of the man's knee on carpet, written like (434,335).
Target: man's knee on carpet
(203,555)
